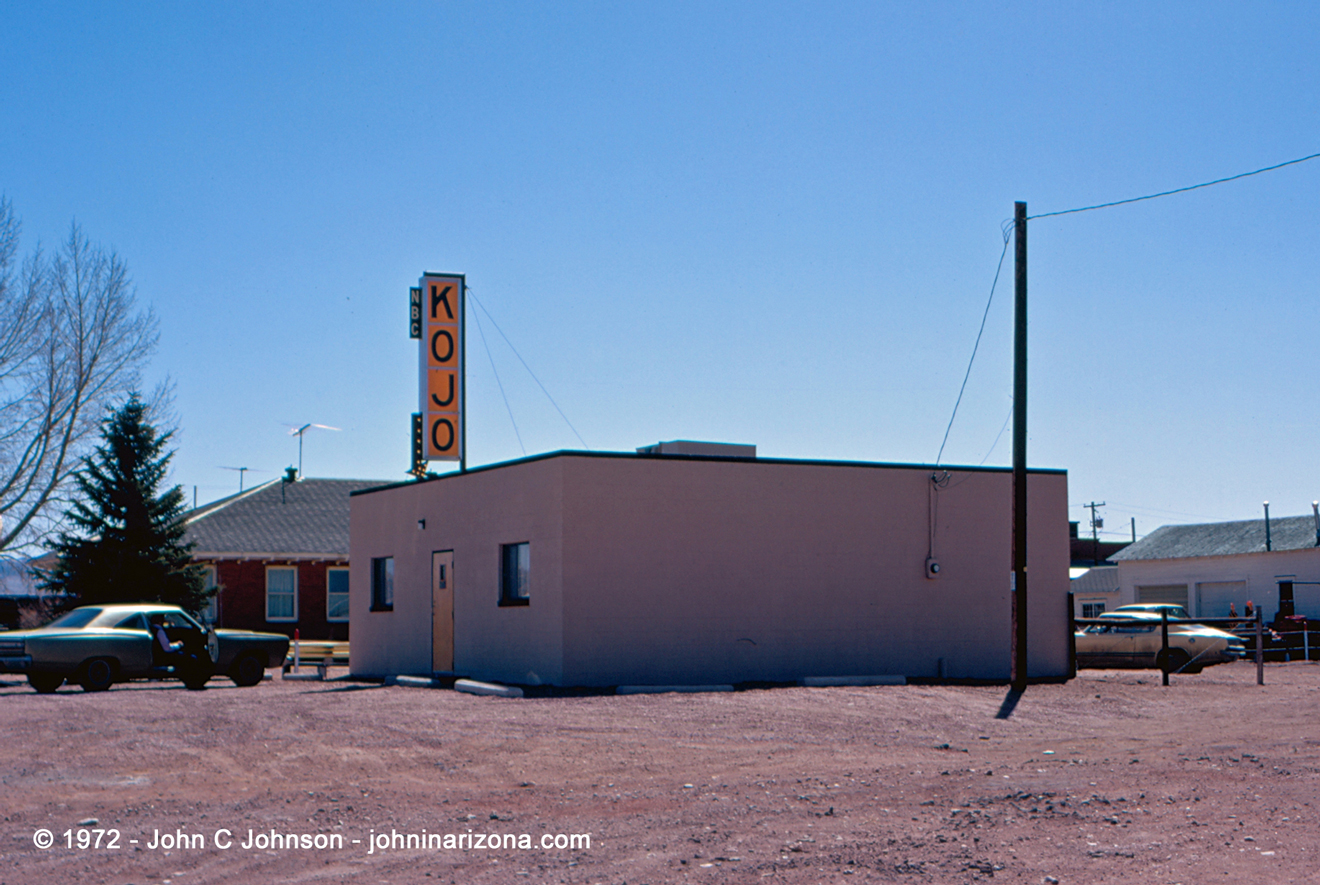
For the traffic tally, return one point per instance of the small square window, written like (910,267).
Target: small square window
(382,584)
(1092,609)
(281,593)
(336,594)
(515,574)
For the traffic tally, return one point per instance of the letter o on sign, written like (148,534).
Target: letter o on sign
(442,429)
(448,344)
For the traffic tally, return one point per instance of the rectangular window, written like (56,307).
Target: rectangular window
(336,594)
(515,570)
(382,584)
(211,613)
(1092,609)
(281,593)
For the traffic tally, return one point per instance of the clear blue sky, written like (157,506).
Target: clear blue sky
(764,223)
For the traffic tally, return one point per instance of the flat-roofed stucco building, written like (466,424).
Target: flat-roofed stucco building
(597,569)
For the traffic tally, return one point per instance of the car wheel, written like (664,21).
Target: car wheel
(248,670)
(1177,659)
(45,683)
(195,676)
(98,674)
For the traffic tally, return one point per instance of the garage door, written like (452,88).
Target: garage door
(1171,593)
(1214,598)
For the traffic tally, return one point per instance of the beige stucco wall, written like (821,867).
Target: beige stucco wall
(672,570)
(689,571)
(471,515)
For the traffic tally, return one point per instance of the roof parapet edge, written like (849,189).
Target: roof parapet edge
(635,456)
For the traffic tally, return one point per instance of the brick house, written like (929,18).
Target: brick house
(279,554)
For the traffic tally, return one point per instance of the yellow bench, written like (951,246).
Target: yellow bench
(312,652)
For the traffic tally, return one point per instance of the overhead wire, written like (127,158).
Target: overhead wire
(1006,230)
(999,435)
(498,382)
(529,369)
(975,347)
(1178,190)
(1141,510)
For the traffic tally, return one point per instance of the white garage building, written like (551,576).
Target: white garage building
(1210,566)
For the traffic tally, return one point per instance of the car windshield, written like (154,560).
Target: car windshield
(79,617)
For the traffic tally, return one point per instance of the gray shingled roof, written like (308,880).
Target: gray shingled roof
(1101,579)
(1222,539)
(302,518)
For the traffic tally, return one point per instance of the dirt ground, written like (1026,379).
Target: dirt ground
(1109,778)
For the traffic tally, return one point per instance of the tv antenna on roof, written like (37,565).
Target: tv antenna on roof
(300,432)
(241,471)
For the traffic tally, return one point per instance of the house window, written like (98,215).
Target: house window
(281,593)
(336,594)
(211,613)
(382,584)
(515,571)
(1092,609)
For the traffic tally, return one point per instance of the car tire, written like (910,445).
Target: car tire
(1177,660)
(45,683)
(195,676)
(98,674)
(247,671)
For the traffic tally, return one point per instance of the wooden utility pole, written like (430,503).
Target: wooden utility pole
(1020,448)
(1096,522)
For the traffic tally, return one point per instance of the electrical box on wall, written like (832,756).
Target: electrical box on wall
(932,567)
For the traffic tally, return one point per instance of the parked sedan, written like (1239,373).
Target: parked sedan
(99,645)
(1175,611)
(1133,639)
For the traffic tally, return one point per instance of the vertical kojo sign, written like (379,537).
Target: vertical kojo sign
(442,366)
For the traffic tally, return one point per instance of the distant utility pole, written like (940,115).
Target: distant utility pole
(1096,524)
(1020,448)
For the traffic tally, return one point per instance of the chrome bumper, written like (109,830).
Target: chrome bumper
(15,663)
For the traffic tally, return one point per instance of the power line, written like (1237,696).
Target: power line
(528,368)
(503,395)
(975,346)
(1179,190)
(1007,419)
(1159,513)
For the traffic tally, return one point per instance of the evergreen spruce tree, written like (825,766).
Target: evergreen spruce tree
(126,542)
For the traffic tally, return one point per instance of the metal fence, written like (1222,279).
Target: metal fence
(1256,639)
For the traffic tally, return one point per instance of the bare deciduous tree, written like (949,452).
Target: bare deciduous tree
(72,340)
